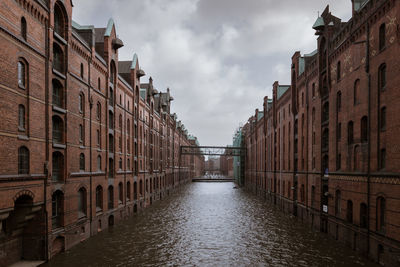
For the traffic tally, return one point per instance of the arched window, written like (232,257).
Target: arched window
(58,166)
(82,210)
(325,112)
(99,163)
(120,143)
(111,97)
(325,139)
(82,162)
(99,198)
(357,159)
(120,121)
(57,93)
(23,28)
(23,160)
(382,37)
(128,163)
(21,74)
(338,71)
(98,111)
(350,136)
(59,21)
(382,77)
(128,190)
(313,90)
(128,127)
(58,58)
(120,163)
(363,215)
(135,192)
(120,193)
(110,197)
(349,211)
(380,214)
(141,187)
(339,101)
(111,143)
(58,130)
(82,71)
(110,120)
(110,168)
(57,208)
(382,119)
(364,129)
(357,92)
(80,133)
(112,72)
(21,118)
(338,201)
(81,103)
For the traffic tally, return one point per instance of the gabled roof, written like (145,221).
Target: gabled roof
(282,90)
(110,25)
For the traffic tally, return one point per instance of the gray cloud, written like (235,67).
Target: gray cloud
(219,57)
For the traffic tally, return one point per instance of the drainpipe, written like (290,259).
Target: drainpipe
(90,147)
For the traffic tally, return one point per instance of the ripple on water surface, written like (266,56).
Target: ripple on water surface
(210,224)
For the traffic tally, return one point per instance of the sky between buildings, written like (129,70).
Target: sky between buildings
(218,57)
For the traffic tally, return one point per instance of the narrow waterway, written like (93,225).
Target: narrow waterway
(210,224)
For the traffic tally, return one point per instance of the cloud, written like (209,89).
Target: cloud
(219,57)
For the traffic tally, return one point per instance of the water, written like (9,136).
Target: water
(210,224)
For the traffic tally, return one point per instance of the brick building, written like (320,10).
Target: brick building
(83,142)
(325,147)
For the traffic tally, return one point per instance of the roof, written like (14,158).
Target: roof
(134,61)
(359,4)
(110,25)
(124,66)
(99,33)
(302,66)
(260,116)
(282,90)
(143,93)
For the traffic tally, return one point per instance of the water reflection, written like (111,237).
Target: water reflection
(210,224)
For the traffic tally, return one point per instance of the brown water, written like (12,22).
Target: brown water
(210,224)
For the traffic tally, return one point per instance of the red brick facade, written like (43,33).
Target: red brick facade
(325,147)
(83,143)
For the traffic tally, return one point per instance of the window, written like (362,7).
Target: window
(23,28)
(81,104)
(325,139)
(99,198)
(382,159)
(98,111)
(382,37)
(110,168)
(82,71)
(339,101)
(58,166)
(338,201)
(82,202)
(57,208)
(312,196)
(21,74)
(350,137)
(141,187)
(59,22)
(58,58)
(363,215)
(357,158)
(57,93)
(82,162)
(121,193)
(364,129)
(325,112)
(80,133)
(98,138)
(110,120)
(356,92)
(98,84)
(302,193)
(111,143)
(339,132)
(338,71)
(128,190)
(111,97)
(135,195)
(120,163)
(110,197)
(23,160)
(349,215)
(380,214)
(120,121)
(120,143)
(58,129)
(21,117)
(339,161)
(99,163)
(383,119)
(313,90)
(128,163)
(382,77)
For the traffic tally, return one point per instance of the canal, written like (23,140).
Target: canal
(210,224)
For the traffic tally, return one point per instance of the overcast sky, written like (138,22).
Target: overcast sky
(218,57)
